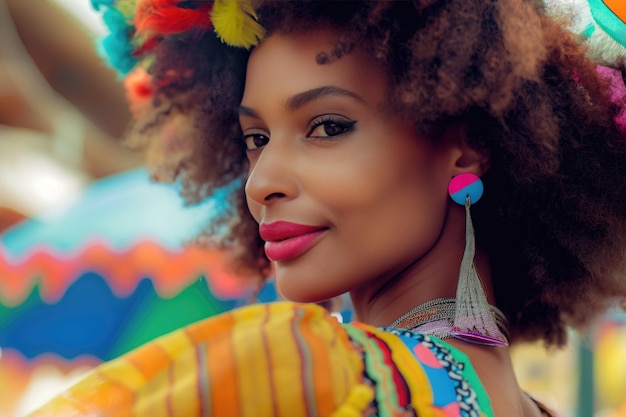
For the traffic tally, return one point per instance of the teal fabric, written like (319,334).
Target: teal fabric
(608,21)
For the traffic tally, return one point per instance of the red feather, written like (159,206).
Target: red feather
(172,16)
(146,47)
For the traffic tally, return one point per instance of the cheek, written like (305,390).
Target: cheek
(401,215)
(398,181)
(397,209)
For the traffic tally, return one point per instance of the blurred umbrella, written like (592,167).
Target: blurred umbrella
(111,272)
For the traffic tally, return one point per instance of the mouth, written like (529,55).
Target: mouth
(285,241)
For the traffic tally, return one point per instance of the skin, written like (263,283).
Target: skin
(393,239)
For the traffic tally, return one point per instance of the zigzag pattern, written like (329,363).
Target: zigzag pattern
(170,270)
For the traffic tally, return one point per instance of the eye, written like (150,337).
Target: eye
(330,125)
(255,140)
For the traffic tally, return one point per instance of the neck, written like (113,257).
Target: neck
(431,276)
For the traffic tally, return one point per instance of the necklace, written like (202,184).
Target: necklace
(436,318)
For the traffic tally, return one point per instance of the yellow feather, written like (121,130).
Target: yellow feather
(235,23)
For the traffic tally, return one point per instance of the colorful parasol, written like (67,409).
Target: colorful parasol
(110,273)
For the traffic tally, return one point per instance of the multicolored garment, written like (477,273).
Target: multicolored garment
(281,359)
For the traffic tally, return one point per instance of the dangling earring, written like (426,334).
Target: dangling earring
(473,318)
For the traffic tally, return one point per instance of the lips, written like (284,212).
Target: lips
(285,241)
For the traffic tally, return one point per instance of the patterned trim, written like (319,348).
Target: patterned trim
(466,395)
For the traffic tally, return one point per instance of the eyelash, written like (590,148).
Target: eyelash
(252,136)
(343,123)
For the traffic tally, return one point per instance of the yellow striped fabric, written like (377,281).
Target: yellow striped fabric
(279,360)
(263,360)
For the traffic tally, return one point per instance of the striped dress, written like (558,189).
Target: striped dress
(280,359)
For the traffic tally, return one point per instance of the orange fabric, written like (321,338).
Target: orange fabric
(618,7)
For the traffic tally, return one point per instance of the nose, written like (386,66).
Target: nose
(272,176)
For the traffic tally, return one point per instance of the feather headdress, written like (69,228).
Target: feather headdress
(137,26)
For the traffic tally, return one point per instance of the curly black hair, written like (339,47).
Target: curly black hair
(553,218)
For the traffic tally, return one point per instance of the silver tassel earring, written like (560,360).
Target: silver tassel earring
(473,319)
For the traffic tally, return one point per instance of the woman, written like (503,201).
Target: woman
(364,132)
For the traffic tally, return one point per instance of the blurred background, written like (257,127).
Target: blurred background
(92,254)
(93,260)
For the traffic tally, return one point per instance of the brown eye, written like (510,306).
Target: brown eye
(255,140)
(329,126)
(333,129)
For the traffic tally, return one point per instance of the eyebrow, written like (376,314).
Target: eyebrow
(301,99)
(306,97)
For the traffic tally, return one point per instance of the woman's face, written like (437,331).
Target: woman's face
(346,193)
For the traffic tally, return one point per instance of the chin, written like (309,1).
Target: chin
(303,292)
(303,296)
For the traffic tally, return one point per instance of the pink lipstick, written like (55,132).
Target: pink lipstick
(285,241)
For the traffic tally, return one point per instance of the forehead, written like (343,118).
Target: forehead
(287,65)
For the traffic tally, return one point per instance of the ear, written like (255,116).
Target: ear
(465,158)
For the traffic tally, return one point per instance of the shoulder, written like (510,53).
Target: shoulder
(427,374)
(407,373)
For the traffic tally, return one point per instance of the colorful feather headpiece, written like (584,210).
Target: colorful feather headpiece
(163,121)
(136,27)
